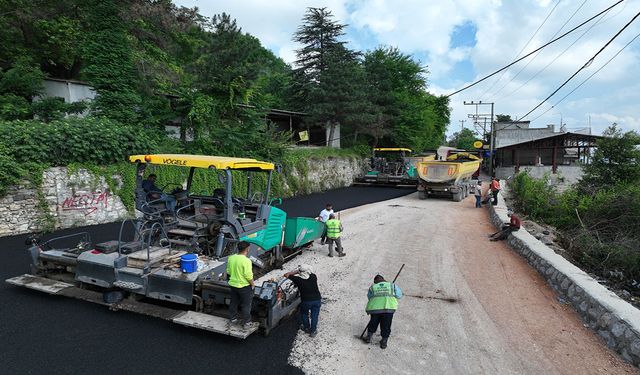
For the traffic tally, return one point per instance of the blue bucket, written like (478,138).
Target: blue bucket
(189,263)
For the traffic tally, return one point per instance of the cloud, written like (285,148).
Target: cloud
(273,22)
(502,28)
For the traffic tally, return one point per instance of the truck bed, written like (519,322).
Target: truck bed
(436,171)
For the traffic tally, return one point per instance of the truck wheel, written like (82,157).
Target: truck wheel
(423,195)
(457,197)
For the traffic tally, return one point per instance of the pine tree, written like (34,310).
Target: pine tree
(327,80)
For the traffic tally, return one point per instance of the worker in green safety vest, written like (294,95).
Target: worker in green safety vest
(241,284)
(383,302)
(334,229)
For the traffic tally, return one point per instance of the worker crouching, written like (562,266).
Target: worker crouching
(383,303)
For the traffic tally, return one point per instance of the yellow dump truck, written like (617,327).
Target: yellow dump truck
(449,175)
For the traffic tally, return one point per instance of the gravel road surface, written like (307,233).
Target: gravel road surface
(43,334)
(502,318)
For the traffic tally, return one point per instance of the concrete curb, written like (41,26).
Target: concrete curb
(612,318)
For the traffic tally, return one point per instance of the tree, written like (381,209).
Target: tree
(18,86)
(109,63)
(463,139)
(503,118)
(340,96)
(48,33)
(615,161)
(326,78)
(412,117)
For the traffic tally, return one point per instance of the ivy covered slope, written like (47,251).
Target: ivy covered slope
(102,146)
(153,64)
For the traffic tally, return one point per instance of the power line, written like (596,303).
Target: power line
(523,48)
(586,79)
(534,51)
(534,57)
(584,66)
(557,57)
(543,113)
(599,69)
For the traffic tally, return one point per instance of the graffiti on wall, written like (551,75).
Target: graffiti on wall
(86,202)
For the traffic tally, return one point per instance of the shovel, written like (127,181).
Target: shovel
(394,280)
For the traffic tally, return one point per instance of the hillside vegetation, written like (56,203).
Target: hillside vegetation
(153,63)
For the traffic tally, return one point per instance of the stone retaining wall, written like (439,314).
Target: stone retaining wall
(64,200)
(325,174)
(612,318)
(67,200)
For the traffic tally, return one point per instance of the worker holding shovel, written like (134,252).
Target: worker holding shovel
(383,302)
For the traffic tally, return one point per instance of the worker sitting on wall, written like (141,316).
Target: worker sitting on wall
(514,225)
(154,193)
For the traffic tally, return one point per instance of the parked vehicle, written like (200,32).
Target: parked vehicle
(173,264)
(393,166)
(449,175)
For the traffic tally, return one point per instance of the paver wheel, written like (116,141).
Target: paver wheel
(422,194)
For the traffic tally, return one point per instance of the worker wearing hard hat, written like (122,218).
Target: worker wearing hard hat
(334,230)
(240,272)
(383,302)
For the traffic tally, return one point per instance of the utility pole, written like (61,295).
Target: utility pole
(492,130)
(462,125)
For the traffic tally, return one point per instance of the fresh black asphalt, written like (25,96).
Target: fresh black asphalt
(42,334)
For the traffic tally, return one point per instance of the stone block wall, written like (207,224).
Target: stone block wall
(67,200)
(326,174)
(616,321)
(18,212)
(80,198)
(566,175)
(64,200)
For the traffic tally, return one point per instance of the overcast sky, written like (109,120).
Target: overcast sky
(462,40)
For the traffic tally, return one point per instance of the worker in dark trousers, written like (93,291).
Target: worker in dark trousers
(324,216)
(383,302)
(495,189)
(240,273)
(307,283)
(514,225)
(334,230)
(478,194)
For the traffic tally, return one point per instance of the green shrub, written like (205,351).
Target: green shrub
(55,108)
(89,140)
(532,196)
(10,172)
(600,231)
